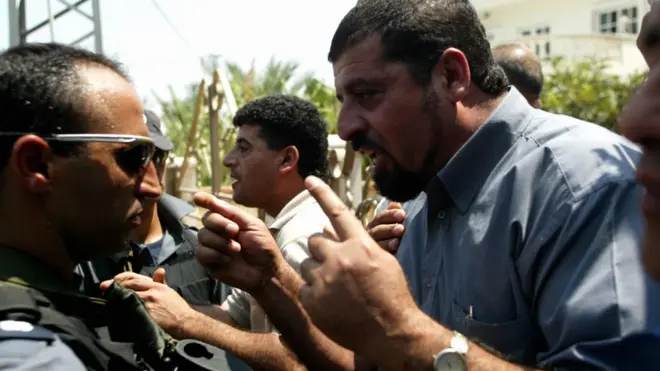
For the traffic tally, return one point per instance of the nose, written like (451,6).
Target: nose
(228,161)
(149,185)
(349,123)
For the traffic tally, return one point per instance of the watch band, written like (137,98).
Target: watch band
(453,358)
(459,343)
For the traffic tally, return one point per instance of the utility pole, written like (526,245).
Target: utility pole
(215,98)
(20,31)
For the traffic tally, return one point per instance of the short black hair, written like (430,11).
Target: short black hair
(524,73)
(287,120)
(417,32)
(42,93)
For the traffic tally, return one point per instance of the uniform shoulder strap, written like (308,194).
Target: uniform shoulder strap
(16,304)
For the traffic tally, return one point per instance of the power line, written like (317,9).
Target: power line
(224,78)
(174,28)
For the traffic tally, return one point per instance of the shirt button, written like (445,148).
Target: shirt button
(427,282)
(441,214)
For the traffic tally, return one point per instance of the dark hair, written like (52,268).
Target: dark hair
(523,72)
(286,120)
(417,32)
(41,92)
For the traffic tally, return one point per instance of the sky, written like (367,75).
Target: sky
(135,33)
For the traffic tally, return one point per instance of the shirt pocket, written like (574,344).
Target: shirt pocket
(514,340)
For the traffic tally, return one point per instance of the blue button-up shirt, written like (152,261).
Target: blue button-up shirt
(528,241)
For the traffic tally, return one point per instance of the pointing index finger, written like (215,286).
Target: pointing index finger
(241,218)
(345,224)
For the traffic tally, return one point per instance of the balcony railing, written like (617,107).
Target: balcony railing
(576,47)
(484,5)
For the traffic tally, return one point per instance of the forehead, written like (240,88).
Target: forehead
(363,63)
(112,103)
(249,133)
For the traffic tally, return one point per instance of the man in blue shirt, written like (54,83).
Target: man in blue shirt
(528,241)
(525,253)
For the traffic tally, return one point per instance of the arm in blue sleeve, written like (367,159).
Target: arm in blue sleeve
(592,297)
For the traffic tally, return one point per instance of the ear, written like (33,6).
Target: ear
(31,160)
(451,76)
(289,159)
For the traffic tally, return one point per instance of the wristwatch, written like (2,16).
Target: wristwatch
(452,358)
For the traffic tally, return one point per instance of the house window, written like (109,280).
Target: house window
(622,20)
(537,40)
(543,48)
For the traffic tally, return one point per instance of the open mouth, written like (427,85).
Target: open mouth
(136,220)
(376,158)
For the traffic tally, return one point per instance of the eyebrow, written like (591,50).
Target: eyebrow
(356,82)
(243,141)
(352,83)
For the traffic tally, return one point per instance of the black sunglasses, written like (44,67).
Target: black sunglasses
(160,157)
(135,158)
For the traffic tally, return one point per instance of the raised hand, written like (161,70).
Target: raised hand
(355,291)
(236,247)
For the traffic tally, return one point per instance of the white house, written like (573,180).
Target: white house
(574,29)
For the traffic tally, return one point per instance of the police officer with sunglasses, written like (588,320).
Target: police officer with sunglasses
(161,243)
(74,151)
(161,240)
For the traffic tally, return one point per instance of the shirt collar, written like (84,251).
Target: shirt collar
(174,206)
(170,212)
(291,209)
(467,171)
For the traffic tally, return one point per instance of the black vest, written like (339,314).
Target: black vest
(76,328)
(183,273)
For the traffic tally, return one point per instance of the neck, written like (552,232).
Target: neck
(471,113)
(150,230)
(284,196)
(45,245)
(477,108)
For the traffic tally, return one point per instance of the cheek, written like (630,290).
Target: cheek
(404,130)
(261,170)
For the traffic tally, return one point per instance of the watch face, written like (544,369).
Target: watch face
(450,361)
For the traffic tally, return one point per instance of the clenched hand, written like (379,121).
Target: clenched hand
(386,227)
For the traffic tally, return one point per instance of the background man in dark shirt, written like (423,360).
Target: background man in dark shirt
(523,69)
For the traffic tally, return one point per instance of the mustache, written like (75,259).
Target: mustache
(361,140)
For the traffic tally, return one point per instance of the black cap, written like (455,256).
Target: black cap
(153,124)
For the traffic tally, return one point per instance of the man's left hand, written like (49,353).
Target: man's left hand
(355,291)
(165,305)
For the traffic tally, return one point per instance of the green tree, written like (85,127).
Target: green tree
(587,91)
(177,116)
(278,77)
(325,98)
